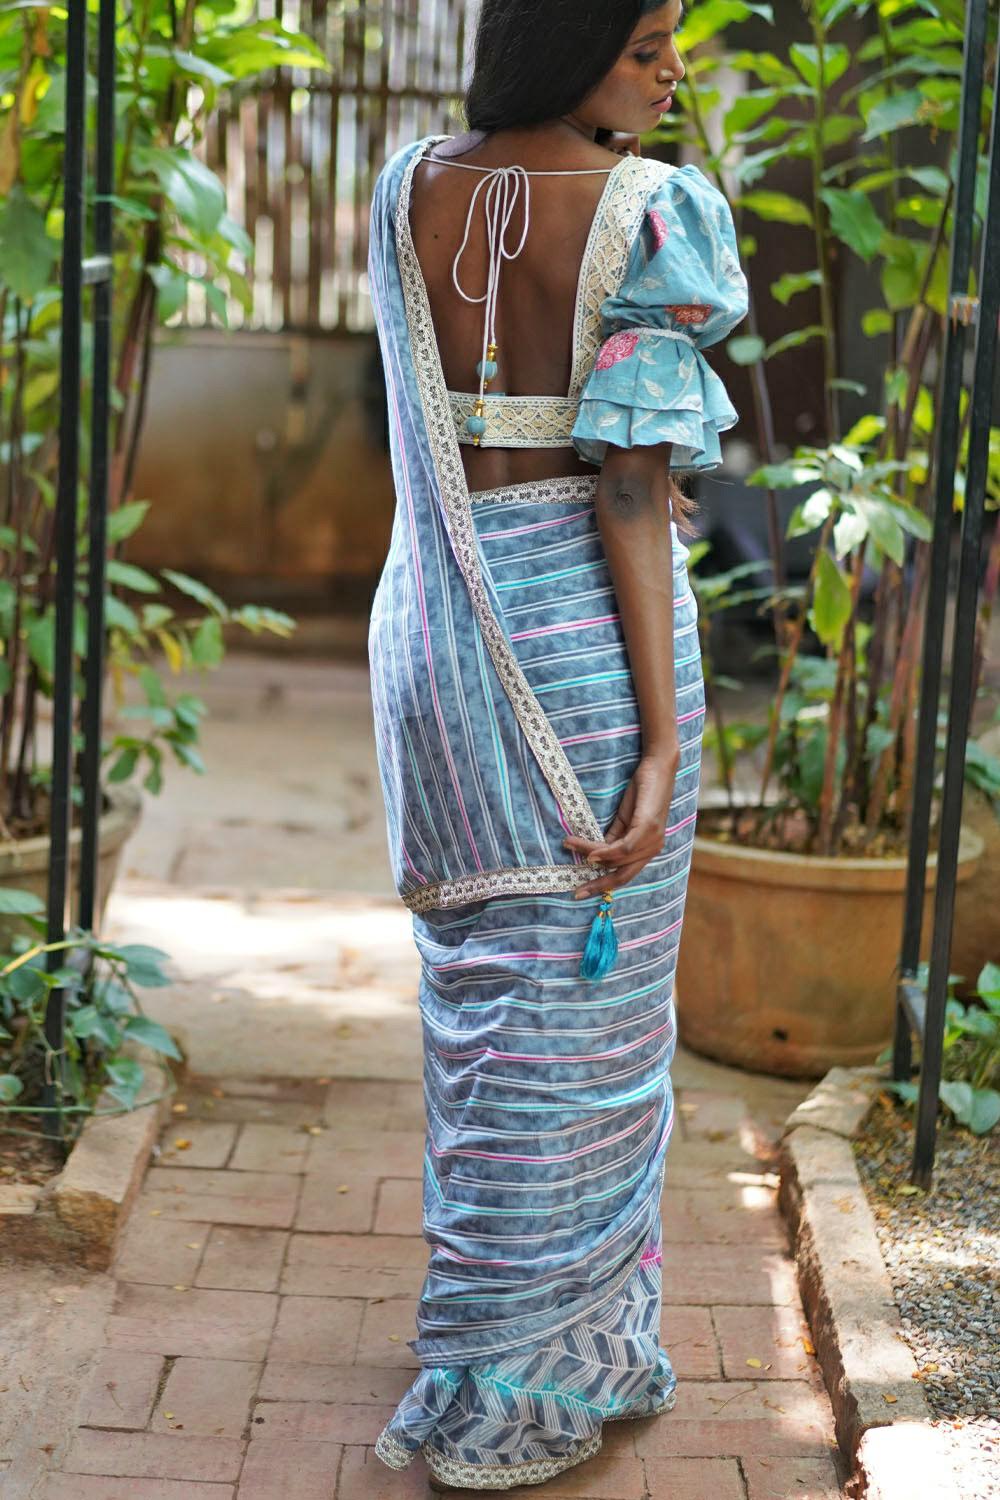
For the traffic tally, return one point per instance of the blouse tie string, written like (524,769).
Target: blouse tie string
(503,186)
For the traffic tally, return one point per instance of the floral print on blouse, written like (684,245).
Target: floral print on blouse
(683,289)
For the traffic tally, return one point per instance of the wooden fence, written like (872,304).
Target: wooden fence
(299,156)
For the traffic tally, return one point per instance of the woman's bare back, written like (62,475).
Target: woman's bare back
(537,295)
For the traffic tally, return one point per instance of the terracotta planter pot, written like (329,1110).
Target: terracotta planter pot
(25,863)
(787,963)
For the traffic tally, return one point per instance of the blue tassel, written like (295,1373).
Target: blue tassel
(601,948)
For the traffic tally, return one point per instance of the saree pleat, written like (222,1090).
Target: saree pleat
(548,1097)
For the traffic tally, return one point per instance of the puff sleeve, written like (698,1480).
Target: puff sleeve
(683,289)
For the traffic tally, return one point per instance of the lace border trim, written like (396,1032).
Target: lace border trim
(447,459)
(517,421)
(623,206)
(518,880)
(563,490)
(506,1476)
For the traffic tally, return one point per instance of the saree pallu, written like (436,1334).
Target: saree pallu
(548,1097)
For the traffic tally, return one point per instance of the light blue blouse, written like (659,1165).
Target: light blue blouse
(683,289)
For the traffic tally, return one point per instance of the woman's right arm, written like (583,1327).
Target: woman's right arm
(633,516)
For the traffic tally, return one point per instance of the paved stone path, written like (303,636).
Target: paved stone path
(253,1337)
(265,1290)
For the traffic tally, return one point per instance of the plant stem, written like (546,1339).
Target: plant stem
(817,157)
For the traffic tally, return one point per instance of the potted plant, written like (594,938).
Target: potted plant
(172,232)
(794,908)
(170,215)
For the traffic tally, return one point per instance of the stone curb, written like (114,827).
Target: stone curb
(879,1407)
(77,1217)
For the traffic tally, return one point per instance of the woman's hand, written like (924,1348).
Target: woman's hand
(636,833)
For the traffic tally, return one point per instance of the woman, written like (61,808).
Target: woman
(538,705)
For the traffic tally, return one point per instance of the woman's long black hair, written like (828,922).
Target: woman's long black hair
(537,59)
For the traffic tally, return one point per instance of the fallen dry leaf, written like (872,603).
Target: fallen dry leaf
(194,1245)
(808,1346)
(179,1109)
(755,1364)
(890,1400)
(343,1188)
(394,1338)
(182,1144)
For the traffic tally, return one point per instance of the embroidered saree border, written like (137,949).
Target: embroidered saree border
(564,489)
(517,880)
(516,421)
(606,257)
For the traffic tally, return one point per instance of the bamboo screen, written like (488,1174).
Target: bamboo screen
(300,155)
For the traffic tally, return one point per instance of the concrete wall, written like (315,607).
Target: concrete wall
(264,456)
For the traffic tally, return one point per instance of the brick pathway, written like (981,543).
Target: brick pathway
(265,1289)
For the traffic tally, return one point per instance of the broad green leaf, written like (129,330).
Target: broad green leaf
(884,527)
(746,349)
(765,66)
(985,1111)
(794,339)
(786,287)
(192,187)
(131,577)
(120,616)
(748,109)
(123,767)
(810,514)
(11,1088)
(816,69)
(831,606)
(777,207)
(195,590)
(864,430)
(849,531)
(152,1034)
(126,1080)
(143,964)
(27,253)
(877,741)
(88,1021)
(854,220)
(988,983)
(206,643)
(15,903)
(126,519)
(782,476)
(893,113)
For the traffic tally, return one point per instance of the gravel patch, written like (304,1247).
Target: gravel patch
(942,1252)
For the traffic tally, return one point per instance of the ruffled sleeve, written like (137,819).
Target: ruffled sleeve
(683,289)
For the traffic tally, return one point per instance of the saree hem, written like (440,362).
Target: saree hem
(515,880)
(458,1473)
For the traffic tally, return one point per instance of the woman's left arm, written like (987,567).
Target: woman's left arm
(633,515)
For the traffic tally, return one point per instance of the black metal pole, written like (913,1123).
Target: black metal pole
(963,643)
(98,500)
(948,434)
(65,532)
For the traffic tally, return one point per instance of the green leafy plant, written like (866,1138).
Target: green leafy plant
(171,233)
(841,738)
(99,1067)
(970,1084)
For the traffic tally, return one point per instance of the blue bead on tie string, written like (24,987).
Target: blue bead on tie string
(601,948)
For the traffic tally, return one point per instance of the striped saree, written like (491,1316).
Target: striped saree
(506,717)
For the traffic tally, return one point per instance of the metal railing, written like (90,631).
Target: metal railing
(921,1013)
(78,271)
